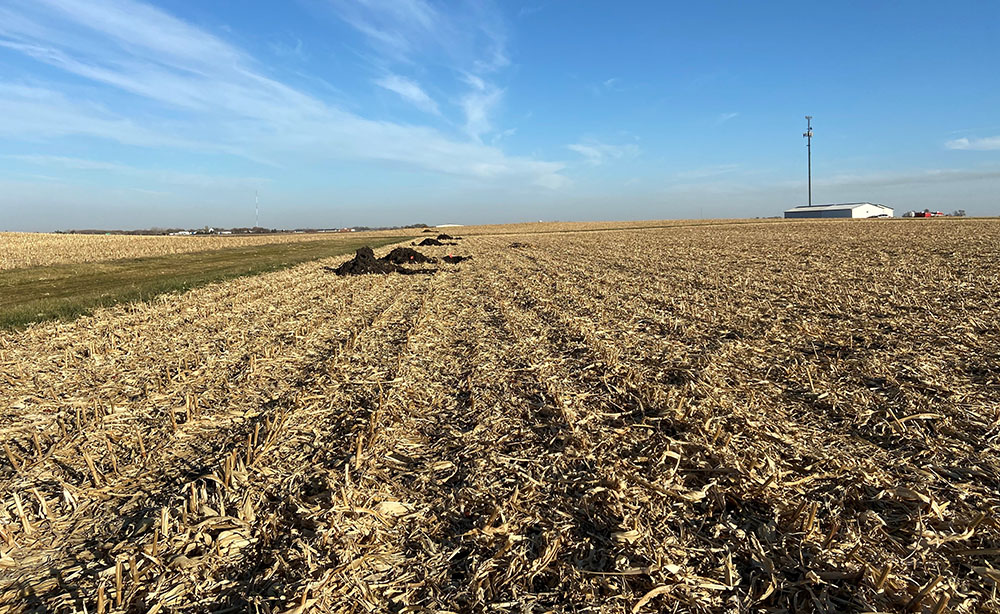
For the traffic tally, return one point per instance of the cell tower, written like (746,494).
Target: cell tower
(808,134)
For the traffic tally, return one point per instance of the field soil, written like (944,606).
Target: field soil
(781,417)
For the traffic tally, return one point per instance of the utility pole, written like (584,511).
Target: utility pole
(256,209)
(809,154)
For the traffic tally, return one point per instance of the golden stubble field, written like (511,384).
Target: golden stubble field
(30,249)
(791,417)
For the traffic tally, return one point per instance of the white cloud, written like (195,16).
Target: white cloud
(467,38)
(736,178)
(724,117)
(478,104)
(596,153)
(171,84)
(911,177)
(198,180)
(37,112)
(291,51)
(984,144)
(410,91)
(707,172)
(506,134)
(67,162)
(600,88)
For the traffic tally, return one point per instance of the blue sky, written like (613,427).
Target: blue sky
(122,114)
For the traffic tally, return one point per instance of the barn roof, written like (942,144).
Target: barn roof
(835,207)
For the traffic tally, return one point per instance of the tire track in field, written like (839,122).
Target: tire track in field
(714,471)
(322,496)
(515,475)
(195,455)
(731,427)
(127,356)
(436,457)
(370,500)
(603,560)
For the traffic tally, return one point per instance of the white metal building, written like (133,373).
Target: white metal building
(840,210)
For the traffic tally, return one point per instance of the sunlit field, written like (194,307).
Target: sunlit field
(784,417)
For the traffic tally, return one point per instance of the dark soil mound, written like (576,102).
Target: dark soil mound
(365,263)
(405,255)
(518,245)
(430,241)
(444,237)
(428,230)
(455,259)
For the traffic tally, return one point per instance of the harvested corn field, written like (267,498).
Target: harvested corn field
(30,249)
(778,417)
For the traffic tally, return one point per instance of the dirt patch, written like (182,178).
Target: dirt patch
(405,255)
(444,237)
(518,245)
(455,259)
(365,263)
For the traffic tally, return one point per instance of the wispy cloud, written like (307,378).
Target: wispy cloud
(478,105)
(156,176)
(731,178)
(528,10)
(596,153)
(611,84)
(393,28)
(30,111)
(506,134)
(284,49)
(725,117)
(68,162)
(410,91)
(707,172)
(469,39)
(180,86)
(469,36)
(984,144)
(919,176)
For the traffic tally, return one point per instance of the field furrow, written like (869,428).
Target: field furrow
(774,417)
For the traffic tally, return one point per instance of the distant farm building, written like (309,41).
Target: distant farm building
(840,210)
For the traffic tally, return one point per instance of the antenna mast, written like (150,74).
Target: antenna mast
(256,210)
(809,154)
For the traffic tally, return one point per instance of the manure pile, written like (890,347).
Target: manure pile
(441,239)
(721,419)
(405,255)
(365,263)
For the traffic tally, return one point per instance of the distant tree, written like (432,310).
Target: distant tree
(959,213)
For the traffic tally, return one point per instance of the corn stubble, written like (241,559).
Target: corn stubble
(787,418)
(30,249)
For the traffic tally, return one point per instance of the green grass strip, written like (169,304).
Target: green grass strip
(66,291)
